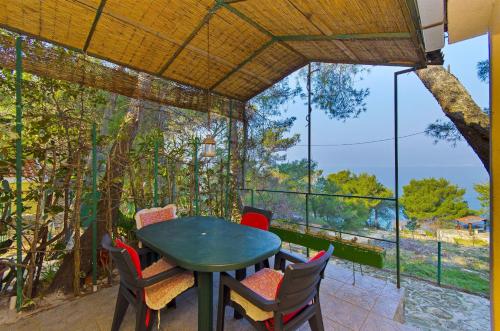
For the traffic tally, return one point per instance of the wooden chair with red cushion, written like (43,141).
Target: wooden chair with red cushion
(283,298)
(148,289)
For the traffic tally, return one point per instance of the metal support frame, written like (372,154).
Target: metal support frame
(155,174)
(196,179)
(396,172)
(191,36)
(439,264)
(242,64)
(94,25)
(228,167)
(19,174)
(94,206)
(244,151)
(309,158)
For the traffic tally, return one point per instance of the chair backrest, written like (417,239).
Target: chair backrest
(266,213)
(126,268)
(150,216)
(301,283)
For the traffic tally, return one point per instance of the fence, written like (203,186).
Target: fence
(429,260)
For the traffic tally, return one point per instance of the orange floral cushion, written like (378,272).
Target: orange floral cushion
(264,283)
(150,216)
(160,294)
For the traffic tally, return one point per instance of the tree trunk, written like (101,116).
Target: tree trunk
(457,104)
(118,163)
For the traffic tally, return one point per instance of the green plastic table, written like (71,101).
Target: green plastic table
(207,245)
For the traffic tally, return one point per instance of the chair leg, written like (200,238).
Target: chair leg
(141,316)
(221,308)
(316,321)
(120,310)
(153,314)
(240,275)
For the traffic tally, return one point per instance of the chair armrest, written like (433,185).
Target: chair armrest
(145,282)
(281,258)
(248,294)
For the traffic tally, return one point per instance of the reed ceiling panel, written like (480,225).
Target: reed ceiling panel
(354,16)
(325,50)
(231,41)
(62,21)
(384,51)
(273,63)
(168,38)
(280,17)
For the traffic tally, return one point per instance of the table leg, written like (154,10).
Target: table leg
(205,301)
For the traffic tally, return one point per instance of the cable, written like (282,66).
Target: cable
(363,142)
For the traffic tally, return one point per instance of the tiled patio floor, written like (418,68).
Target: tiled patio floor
(371,304)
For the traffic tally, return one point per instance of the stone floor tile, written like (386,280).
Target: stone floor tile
(357,296)
(386,306)
(343,312)
(375,322)
(338,273)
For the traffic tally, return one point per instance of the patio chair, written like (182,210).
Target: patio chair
(149,290)
(148,216)
(260,219)
(277,300)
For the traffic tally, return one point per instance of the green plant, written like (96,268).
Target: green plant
(49,272)
(471,242)
(429,233)
(344,249)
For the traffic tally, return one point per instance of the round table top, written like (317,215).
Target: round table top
(209,244)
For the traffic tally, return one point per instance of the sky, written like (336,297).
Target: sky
(419,156)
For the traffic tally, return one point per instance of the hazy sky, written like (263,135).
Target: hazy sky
(419,156)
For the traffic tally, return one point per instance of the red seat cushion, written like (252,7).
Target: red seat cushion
(134,256)
(286,318)
(255,220)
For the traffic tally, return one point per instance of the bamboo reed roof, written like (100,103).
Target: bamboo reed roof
(47,61)
(253,43)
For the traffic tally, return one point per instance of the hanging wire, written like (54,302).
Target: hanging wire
(364,142)
(208,72)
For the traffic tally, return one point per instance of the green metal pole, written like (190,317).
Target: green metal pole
(439,264)
(309,164)
(19,173)
(155,170)
(196,179)
(228,168)
(252,198)
(94,207)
